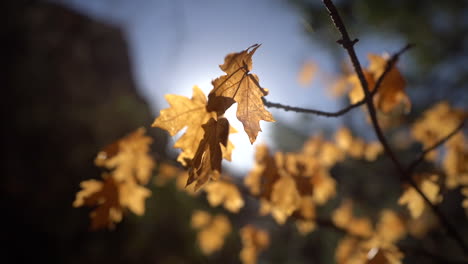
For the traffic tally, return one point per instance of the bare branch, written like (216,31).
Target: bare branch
(313,111)
(390,63)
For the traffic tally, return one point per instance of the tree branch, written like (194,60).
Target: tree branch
(423,154)
(312,111)
(348,45)
(388,66)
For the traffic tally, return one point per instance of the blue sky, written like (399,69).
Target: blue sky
(175,44)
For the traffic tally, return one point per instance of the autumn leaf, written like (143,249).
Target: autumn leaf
(379,245)
(391,95)
(413,200)
(184,112)
(254,240)
(241,86)
(103,195)
(110,199)
(128,157)
(285,198)
(212,231)
(133,196)
(263,175)
(225,193)
(391,92)
(307,73)
(206,163)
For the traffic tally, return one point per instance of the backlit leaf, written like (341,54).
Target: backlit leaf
(241,86)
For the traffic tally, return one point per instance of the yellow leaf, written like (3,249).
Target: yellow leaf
(285,198)
(253,242)
(223,192)
(133,196)
(307,73)
(391,92)
(391,95)
(184,112)
(239,85)
(391,227)
(413,200)
(128,157)
(212,231)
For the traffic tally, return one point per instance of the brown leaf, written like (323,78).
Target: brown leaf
(391,93)
(206,163)
(391,96)
(240,86)
(104,195)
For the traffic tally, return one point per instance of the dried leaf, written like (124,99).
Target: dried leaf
(391,96)
(413,200)
(206,163)
(104,195)
(391,93)
(253,242)
(184,112)
(239,85)
(128,157)
(225,193)
(212,231)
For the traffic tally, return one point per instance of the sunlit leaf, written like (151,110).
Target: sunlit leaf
(241,86)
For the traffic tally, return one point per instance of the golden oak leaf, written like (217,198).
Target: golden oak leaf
(104,195)
(184,112)
(128,157)
(226,193)
(206,164)
(253,242)
(212,231)
(413,200)
(239,85)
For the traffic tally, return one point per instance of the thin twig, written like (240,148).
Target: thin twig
(348,45)
(388,66)
(312,111)
(423,154)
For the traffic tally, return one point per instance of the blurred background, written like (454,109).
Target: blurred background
(80,74)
